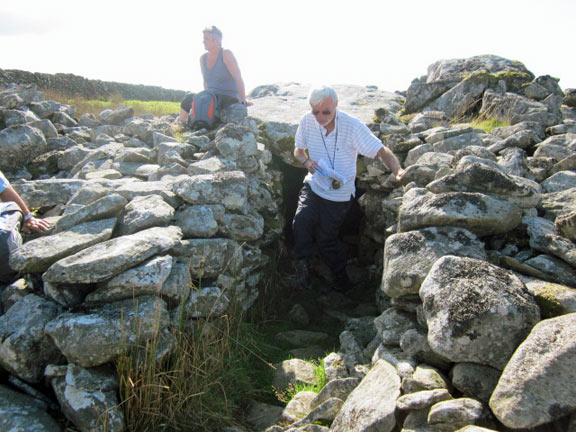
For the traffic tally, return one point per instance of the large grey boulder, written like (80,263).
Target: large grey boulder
(25,348)
(290,372)
(556,204)
(514,108)
(89,397)
(20,412)
(99,336)
(196,221)
(227,188)
(409,256)
(481,178)
(47,193)
(543,238)
(479,213)
(444,75)
(537,385)
(144,212)
(105,260)
(371,405)
(453,414)
(19,144)
(39,254)
(109,206)
(235,142)
(145,279)
(468,306)
(211,257)
(475,380)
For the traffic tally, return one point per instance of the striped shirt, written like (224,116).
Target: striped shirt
(340,149)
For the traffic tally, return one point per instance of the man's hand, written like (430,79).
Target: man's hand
(400,174)
(35,224)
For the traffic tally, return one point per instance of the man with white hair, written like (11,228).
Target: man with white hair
(328,142)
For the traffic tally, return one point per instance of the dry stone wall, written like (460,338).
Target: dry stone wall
(74,85)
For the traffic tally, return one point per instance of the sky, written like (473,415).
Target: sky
(365,42)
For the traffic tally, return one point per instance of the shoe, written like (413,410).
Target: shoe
(302,275)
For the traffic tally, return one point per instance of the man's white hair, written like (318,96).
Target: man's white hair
(318,94)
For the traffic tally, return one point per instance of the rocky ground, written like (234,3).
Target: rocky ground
(471,260)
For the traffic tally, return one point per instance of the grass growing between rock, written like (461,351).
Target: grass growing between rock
(488,124)
(202,385)
(92,106)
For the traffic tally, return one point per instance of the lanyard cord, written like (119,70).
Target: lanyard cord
(333,160)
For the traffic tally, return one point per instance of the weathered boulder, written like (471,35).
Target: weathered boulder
(468,304)
(20,412)
(39,254)
(475,380)
(235,142)
(536,387)
(227,188)
(479,213)
(409,256)
(544,238)
(211,257)
(372,404)
(481,178)
(88,397)
(19,144)
(196,221)
(105,260)
(25,348)
(99,336)
(144,279)
(109,206)
(290,372)
(144,212)
(453,414)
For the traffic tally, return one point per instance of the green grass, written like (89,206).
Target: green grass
(488,124)
(84,106)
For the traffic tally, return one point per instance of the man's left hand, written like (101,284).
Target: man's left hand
(35,224)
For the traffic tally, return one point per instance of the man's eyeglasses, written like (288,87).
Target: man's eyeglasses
(325,112)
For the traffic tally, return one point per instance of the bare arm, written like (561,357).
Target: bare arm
(234,70)
(32,223)
(391,162)
(301,156)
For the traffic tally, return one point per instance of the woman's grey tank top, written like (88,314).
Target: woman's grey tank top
(218,79)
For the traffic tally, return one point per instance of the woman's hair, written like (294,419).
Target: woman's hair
(214,31)
(318,94)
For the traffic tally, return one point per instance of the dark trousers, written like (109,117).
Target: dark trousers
(317,222)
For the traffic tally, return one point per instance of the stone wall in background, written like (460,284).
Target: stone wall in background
(75,85)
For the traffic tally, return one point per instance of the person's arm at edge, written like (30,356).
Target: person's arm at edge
(30,224)
(391,161)
(232,66)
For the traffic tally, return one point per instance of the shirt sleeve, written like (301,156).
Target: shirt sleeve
(367,144)
(4,183)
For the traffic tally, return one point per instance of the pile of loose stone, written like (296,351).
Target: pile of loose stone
(476,250)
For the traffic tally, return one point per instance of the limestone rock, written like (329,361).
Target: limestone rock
(481,214)
(116,327)
(536,387)
(372,404)
(409,256)
(19,412)
(39,254)
(25,348)
(469,304)
(88,397)
(105,260)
